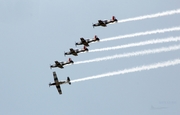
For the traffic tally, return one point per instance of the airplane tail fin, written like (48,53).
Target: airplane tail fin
(114,18)
(68,80)
(96,38)
(86,48)
(70,60)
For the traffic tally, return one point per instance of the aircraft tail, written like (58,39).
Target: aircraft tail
(114,18)
(96,38)
(86,48)
(68,80)
(70,60)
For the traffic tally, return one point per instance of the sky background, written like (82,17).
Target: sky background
(35,33)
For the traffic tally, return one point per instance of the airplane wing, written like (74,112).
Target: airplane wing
(59,89)
(56,81)
(83,40)
(100,21)
(57,63)
(55,77)
(72,50)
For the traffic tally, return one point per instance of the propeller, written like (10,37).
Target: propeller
(75,44)
(93,25)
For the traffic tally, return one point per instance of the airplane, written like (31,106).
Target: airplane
(104,23)
(61,64)
(75,51)
(87,41)
(57,83)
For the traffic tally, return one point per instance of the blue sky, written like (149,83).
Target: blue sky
(35,33)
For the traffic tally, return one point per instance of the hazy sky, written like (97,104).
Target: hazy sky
(35,33)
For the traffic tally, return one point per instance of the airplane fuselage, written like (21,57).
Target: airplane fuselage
(85,43)
(60,66)
(104,22)
(71,53)
(75,54)
(58,83)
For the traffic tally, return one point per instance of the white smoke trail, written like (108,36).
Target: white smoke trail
(135,69)
(148,42)
(142,33)
(171,12)
(144,52)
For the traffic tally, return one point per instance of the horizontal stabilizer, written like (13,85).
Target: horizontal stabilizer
(68,80)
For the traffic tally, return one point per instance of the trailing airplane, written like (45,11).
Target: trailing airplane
(61,64)
(57,83)
(86,42)
(75,51)
(104,23)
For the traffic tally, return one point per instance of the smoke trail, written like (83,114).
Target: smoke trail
(154,41)
(144,52)
(142,33)
(136,69)
(151,16)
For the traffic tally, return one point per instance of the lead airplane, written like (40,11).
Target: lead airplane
(104,23)
(75,51)
(57,83)
(61,64)
(86,42)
